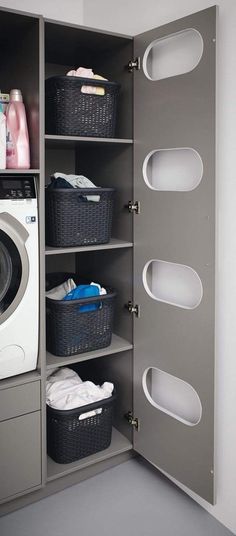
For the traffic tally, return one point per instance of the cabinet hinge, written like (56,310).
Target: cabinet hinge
(134,64)
(133,421)
(134,207)
(133,309)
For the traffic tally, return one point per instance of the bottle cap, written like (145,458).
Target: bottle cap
(4,97)
(16,95)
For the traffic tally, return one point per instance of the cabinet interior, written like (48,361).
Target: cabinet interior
(108,164)
(68,47)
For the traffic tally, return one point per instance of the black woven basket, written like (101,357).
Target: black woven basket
(72,113)
(70,439)
(71,331)
(72,220)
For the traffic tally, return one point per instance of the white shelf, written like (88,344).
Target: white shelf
(119,444)
(117,345)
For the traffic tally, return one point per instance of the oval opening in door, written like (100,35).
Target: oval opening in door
(175,284)
(173,396)
(173,55)
(176,170)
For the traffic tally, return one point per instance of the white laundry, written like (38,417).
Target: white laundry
(79,181)
(59,292)
(102,290)
(65,390)
(64,373)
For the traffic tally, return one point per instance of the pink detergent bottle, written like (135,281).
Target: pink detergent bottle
(18,152)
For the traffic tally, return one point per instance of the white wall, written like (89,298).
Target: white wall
(69,10)
(136,16)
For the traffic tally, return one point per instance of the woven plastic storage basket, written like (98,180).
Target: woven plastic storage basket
(71,331)
(70,439)
(70,112)
(72,220)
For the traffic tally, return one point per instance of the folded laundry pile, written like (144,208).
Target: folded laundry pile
(62,180)
(65,390)
(70,291)
(88,73)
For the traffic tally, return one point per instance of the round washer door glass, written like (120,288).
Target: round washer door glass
(10,271)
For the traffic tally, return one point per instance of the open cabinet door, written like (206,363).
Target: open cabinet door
(174,252)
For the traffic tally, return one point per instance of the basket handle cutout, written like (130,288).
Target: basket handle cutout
(93,90)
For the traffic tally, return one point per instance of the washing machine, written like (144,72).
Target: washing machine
(19,275)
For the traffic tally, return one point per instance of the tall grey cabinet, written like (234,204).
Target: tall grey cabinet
(160,258)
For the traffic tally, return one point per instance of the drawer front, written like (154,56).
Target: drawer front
(19,400)
(20,454)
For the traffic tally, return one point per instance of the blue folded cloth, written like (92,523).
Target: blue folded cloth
(84,291)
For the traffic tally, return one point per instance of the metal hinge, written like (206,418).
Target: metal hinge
(133,309)
(134,64)
(134,207)
(133,421)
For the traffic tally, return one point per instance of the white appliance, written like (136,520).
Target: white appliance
(19,275)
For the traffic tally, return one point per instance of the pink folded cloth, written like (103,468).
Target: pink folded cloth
(81,71)
(88,73)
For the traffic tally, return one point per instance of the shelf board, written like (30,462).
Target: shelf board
(73,141)
(119,444)
(113,244)
(19,171)
(20,379)
(117,345)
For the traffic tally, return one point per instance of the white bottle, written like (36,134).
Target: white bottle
(2,138)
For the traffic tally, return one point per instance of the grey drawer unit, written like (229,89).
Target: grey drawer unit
(20,454)
(19,400)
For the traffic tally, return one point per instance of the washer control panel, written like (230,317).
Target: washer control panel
(12,187)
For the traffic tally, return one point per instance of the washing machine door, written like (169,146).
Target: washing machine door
(14,264)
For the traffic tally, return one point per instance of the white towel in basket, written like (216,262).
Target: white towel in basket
(65,390)
(59,292)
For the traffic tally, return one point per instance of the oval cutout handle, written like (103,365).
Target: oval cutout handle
(172,396)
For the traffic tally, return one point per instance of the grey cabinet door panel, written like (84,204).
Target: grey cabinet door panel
(20,454)
(19,400)
(176,227)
